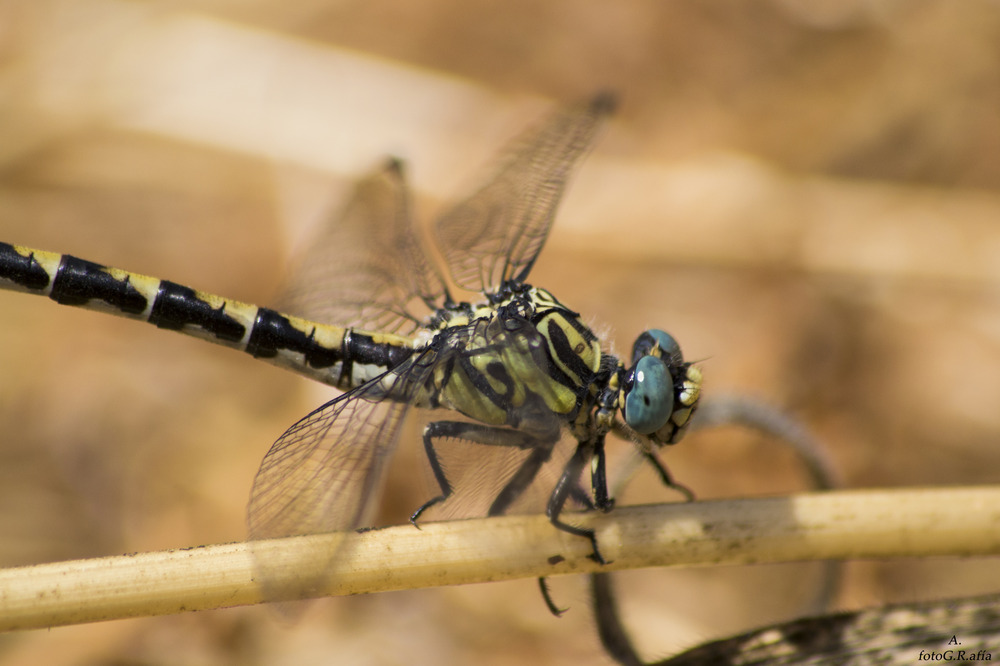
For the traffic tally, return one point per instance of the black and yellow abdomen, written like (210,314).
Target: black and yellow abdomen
(335,355)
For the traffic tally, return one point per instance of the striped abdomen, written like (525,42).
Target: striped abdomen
(341,357)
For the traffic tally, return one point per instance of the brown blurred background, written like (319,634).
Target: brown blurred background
(802,192)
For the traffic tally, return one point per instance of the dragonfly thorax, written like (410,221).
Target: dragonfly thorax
(515,358)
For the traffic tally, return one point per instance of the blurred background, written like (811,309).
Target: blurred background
(803,193)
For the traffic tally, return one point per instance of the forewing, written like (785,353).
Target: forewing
(496,234)
(367,265)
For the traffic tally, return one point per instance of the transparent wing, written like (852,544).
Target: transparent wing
(496,234)
(323,474)
(367,265)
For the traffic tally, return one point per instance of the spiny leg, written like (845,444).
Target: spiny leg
(569,486)
(541,452)
(525,474)
(543,586)
(479,433)
(564,489)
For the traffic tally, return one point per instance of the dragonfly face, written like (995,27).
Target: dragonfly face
(661,391)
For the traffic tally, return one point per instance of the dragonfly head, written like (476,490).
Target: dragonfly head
(660,391)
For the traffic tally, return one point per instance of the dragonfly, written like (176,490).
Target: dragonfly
(372,313)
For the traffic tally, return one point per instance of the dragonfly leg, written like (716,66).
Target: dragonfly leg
(599,479)
(580,495)
(667,478)
(522,479)
(479,433)
(564,490)
(543,586)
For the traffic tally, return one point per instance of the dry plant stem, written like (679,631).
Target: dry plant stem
(816,526)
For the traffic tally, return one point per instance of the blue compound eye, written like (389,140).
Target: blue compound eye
(669,349)
(667,343)
(649,396)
